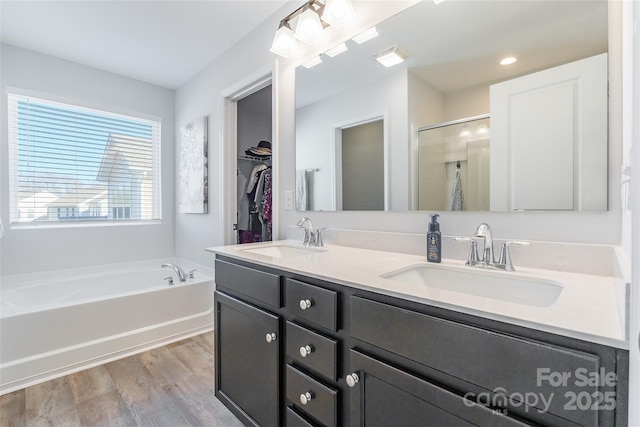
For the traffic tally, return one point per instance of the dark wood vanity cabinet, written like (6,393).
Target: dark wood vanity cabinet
(341,356)
(248,360)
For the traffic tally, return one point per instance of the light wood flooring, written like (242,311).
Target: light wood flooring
(168,386)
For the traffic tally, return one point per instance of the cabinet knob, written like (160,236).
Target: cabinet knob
(306,350)
(305,303)
(271,337)
(352,379)
(305,398)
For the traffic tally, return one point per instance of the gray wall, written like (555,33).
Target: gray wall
(363,167)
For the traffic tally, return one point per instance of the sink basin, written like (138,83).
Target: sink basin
(504,286)
(282,251)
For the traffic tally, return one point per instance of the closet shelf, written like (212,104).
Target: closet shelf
(253,159)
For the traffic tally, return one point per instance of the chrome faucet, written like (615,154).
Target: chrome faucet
(484,231)
(180,272)
(311,237)
(488,258)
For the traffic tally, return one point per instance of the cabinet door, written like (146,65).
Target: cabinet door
(247,361)
(384,396)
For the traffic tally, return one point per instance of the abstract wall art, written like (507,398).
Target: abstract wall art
(194,167)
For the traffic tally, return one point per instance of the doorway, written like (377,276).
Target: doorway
(361,167)
(253,171)
(247,142)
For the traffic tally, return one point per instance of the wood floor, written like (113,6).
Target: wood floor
(169,386)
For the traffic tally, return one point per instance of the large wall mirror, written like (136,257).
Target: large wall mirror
(450,128)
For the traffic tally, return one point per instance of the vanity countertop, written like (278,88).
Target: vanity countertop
(591,308)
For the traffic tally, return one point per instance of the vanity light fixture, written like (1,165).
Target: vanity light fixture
(464,132)
(336,50)
(508,60)
(338,13)
(312,62)
(366,35)
(391,56)
(307,24)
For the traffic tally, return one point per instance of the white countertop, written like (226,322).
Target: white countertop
(590,308)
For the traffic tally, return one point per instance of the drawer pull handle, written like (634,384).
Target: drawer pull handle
(271,337)
(306,350)
(352,379)
(305,398)
(305,303)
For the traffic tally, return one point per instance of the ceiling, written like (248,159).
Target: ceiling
(161,42)
(457,44)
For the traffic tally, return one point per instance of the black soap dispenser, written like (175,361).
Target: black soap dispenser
(434,240)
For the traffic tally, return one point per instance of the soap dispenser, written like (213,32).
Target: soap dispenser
(434,240)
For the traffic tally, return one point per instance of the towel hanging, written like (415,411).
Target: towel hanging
(456,199)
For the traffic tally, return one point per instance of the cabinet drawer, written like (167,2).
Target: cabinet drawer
(502,364)
(323,403)
(254,284)
(321,304)
(324,351)
(295,420)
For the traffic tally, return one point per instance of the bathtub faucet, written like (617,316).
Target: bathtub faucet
(180,272)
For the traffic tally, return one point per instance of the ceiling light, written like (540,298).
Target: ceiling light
(391,56)
(312,62)
(508,60)
(284,43)
(309,28)
(338,12)
(438,1)
(336,50)
(367,35)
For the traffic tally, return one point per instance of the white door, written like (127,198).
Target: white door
(548,139)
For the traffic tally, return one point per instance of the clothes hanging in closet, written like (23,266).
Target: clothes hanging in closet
(258,202)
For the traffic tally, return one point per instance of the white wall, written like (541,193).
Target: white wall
(28,250)
(469,102)
(203,95)
(315,126)
(631,193)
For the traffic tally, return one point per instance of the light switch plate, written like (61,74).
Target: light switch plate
(288,200)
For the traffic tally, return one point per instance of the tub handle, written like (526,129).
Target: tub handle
(191,275)
(169,279)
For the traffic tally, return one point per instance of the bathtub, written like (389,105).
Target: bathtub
(56,323)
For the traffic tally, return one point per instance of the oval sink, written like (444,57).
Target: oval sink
(504,286)
(282,251)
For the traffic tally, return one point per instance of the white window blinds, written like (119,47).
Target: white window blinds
(70,164)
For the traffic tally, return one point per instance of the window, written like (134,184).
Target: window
(70,164)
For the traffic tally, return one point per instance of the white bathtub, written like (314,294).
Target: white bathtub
(56,323)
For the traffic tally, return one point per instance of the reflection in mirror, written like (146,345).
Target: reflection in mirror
(453,165)
(452,72)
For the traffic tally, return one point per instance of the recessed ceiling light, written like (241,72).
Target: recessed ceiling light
(336,50)
(391,56)
(508,60)
(312,62)
(366,35)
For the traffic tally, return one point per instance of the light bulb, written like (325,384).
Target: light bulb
(284,43)
(338,13)
(309,28)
